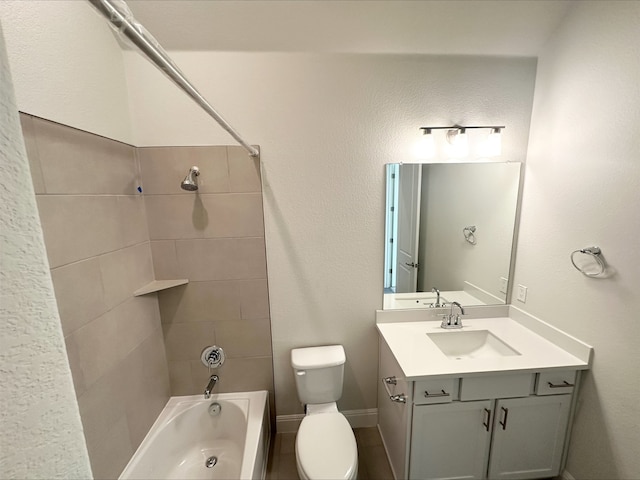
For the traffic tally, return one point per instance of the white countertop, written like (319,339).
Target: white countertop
(402,301)
(420,358)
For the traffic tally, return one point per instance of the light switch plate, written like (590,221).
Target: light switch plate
(503,284)
(522,293)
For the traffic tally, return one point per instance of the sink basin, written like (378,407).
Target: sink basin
(461,345)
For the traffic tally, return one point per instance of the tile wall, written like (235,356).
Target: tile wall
(97,242)
(215,238)
(105,239)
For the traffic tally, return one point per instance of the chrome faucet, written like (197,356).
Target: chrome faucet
(212,383)
(451,320)
(437,304)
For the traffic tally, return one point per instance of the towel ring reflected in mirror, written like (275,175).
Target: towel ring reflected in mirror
(469,234)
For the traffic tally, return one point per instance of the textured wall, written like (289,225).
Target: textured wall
(215,238)
(40,430)
(97,242)
(326,125)
(583,188)
(67,65)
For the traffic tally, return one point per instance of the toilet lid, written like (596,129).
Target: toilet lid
(326,447)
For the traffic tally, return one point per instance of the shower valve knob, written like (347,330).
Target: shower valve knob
(212,357)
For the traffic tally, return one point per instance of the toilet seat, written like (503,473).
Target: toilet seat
(326,447)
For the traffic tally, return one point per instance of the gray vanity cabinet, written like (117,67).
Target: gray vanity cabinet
(461,440)
(469,428)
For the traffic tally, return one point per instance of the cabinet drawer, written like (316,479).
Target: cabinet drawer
(502,386)
(435,391)
(556,382)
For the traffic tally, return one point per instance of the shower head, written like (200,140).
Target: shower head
(190,182)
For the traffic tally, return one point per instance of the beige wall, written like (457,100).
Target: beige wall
(326,125)
(215,238)
(40,429)
(582,188)
(97,242)
(67,65)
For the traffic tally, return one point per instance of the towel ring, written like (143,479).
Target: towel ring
(468,233)
(593,252)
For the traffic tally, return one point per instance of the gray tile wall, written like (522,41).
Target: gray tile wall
(99,252)
(215,238)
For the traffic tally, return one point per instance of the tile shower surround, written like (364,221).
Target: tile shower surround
(104,240)
(216,240)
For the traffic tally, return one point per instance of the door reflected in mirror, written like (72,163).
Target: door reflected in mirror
(449,233)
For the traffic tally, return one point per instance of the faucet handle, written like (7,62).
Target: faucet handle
(457,320)
(446,320)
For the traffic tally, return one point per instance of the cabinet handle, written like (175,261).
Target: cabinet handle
(390,380)
(564,384)
(400,398)
(488,418)
(431,395)
(504,419)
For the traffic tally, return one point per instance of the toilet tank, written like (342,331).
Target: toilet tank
(318,372)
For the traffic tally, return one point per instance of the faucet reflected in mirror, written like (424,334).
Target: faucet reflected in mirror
(428,255)
(437,303)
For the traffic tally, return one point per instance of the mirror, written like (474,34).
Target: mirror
(449,227)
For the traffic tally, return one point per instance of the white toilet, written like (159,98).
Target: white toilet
(325,445)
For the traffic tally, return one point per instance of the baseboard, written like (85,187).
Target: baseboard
(356,418)
(566,476)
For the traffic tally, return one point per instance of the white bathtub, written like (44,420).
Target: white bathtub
(185,435)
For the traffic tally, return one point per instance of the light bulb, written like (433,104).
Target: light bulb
(425,147)
(458,143)
(493,145)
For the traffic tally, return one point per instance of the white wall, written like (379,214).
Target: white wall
(458,195)
(67,65)
(40,431)
(583,188)
(326,125)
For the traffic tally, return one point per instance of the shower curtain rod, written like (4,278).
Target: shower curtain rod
(151,49)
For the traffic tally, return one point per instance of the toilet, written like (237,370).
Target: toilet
(325,445)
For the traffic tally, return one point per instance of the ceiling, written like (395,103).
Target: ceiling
(436,27)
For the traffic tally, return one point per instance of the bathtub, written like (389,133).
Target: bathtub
(185,437)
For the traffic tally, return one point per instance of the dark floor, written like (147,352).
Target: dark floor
(372,459)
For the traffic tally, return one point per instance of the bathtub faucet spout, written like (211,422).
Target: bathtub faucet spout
(212,382)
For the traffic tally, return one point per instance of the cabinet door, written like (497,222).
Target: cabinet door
(450,441)
(528,437)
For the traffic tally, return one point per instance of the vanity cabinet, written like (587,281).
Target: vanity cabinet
(510,426)
(515,438)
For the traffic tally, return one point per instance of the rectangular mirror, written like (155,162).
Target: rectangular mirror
(450,228)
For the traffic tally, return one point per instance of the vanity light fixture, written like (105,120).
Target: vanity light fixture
(457,145)
(425,147)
